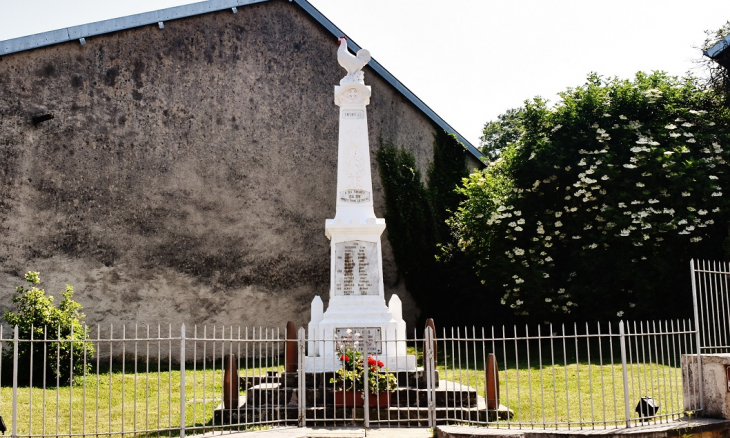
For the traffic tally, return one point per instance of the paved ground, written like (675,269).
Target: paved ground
(309,432)
(677,428)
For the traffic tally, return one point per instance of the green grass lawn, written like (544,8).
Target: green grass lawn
(577,393)
(120,402)
(565,391)
(116,401)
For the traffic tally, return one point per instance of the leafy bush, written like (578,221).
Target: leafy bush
(59,331)
(597,208)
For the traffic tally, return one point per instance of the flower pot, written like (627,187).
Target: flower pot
(356,399)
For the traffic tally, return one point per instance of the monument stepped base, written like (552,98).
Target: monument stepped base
(275,397)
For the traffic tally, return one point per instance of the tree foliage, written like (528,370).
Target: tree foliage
(39,319)
(499,134)
(596,210)
(718,76)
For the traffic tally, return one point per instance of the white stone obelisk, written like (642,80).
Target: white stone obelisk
(356,296)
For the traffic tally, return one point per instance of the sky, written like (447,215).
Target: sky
(471,60)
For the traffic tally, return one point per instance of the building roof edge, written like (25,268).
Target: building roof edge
(718,48)
(116,24)
(83,31)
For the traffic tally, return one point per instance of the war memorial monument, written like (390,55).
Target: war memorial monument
(356,295)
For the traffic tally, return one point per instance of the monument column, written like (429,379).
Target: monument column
(356,295)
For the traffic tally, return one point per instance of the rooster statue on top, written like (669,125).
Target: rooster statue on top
(353,64)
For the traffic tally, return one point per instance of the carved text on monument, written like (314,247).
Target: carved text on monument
(354,196)
(356,268)
(369,337)
(353,114)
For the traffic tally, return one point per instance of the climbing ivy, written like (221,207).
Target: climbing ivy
(416,216)
(408,215)
(446,171)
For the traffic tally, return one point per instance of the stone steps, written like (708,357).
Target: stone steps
(276,397)
(446,394)
(271,398)
(331,415)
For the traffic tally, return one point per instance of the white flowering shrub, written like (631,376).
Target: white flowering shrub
(597,208)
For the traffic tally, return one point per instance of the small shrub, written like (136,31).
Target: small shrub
(60,342)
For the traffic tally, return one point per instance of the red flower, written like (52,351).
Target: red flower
(381,364)
(372,362)
(344,358)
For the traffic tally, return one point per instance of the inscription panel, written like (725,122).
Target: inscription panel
(357,269)
(353,114)
(369,341)
(354,196)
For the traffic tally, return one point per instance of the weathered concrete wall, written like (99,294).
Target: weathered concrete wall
(188,172)
(472,163)
(714,384)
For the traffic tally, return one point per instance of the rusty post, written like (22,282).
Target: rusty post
(492,377)
(434,343)
(230,383)
(291,349)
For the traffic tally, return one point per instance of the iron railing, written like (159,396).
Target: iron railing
(585,377)
(710,286)
(141,380)
(172,381)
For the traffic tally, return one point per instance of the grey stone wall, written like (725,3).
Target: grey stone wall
(188,171)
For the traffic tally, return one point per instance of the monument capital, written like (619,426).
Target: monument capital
(354,93)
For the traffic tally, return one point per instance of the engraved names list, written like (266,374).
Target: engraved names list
(356,268)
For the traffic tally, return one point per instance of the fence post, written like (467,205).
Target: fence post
(697,333)
(15,383)
(624,369)
(301,379)
(182,381)
(366,385)
(429,365)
